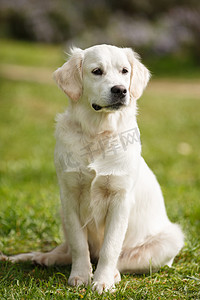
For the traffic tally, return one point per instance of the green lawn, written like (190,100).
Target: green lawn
(29,195)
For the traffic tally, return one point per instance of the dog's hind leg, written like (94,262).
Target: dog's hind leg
(58,256)
(155,252)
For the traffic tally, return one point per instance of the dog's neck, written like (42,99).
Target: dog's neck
(94,123)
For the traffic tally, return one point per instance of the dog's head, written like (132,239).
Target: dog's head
(105,77)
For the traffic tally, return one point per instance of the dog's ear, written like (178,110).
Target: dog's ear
(140,75)
(69,76)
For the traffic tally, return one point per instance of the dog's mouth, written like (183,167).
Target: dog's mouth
(114,106)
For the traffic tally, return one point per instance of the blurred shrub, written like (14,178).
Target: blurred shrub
(45,21)
(155,27)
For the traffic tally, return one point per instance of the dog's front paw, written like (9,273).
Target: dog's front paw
(81,276)
(105,282)
(79,279)
(103,286)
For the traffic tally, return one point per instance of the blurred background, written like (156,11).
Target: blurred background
(167,28)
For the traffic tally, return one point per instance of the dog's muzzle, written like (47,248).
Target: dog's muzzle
(118,98)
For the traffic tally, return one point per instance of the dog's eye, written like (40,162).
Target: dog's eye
(124,71)
(97,71)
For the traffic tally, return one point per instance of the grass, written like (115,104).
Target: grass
(178,65)
(30,54)
(29,195)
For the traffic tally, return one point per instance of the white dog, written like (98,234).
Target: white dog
(112,205)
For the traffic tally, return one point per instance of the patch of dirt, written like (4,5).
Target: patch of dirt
(34,74)
(185,87)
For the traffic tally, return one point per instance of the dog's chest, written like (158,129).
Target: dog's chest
(86,151)
(94,199)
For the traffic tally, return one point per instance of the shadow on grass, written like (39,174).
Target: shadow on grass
(26,272)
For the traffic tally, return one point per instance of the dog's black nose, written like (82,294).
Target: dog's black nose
(119,91)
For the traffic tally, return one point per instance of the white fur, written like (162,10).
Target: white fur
(112,206)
